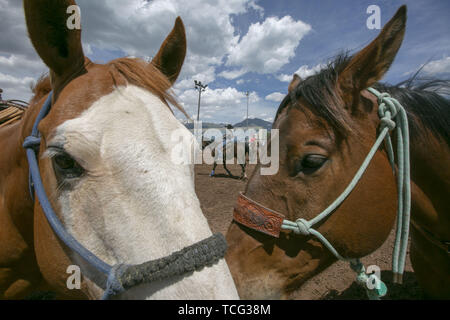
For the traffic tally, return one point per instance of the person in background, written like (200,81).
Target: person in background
(227,138)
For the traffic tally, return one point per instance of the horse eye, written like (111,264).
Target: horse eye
(309,164)
(64,162)
(313,161)
(66,166)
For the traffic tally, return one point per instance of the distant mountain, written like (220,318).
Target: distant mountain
(255,122)
(205,125)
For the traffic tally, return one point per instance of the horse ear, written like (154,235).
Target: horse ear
(170,56)
(370,64)
(294,82)
(58,46)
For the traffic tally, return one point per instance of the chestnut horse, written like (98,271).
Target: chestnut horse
(327,124)
(106,167)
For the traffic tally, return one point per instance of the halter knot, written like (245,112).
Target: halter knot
(387,110)
(303,227)
(387,122)
(32,142)
(113,283)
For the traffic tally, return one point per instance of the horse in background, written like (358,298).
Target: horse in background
(327,125)
(232,150)
(106,167)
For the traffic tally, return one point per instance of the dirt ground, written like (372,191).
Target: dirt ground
(217,197)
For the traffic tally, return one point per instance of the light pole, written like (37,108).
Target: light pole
(247,94)
(201,88)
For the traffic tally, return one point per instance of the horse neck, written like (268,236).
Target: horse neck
(430,173)
(16,209)
(430,179)
(427,136)
(14,171)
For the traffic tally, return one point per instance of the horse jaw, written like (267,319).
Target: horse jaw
(135,204)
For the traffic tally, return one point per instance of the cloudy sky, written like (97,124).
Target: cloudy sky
(234,45)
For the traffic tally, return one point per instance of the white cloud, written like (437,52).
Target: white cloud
(87,49)
(304,72)
(207,75)
(276,97)
(436,67)
(14,87)
(268,46)
(108,24)
(13,63)
(232,74)
(221,103)
(260,10)
(284,77)
(8,79)
(19,63)
(13,35)
(138,27)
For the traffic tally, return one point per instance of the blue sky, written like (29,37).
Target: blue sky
(235,45)
(341,25)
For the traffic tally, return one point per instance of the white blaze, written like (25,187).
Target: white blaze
(135,204)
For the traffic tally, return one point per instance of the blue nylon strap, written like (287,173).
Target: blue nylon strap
(31,144)
(113,284)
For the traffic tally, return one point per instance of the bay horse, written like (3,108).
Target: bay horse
(327,124)
(105,163)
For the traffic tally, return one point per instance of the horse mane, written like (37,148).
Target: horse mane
(427,107)
(145,75)
(133,70)
(421,99)
(319,91)
(41,88)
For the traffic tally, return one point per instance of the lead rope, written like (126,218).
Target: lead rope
(389,109)
(386,104)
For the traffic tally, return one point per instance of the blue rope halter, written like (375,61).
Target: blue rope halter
(120,277)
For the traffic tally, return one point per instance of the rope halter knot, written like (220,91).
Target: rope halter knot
(303,227)
(32,142)
(387,110)
(114,285)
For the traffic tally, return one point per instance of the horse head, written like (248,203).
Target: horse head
(105,160)
(327,124)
